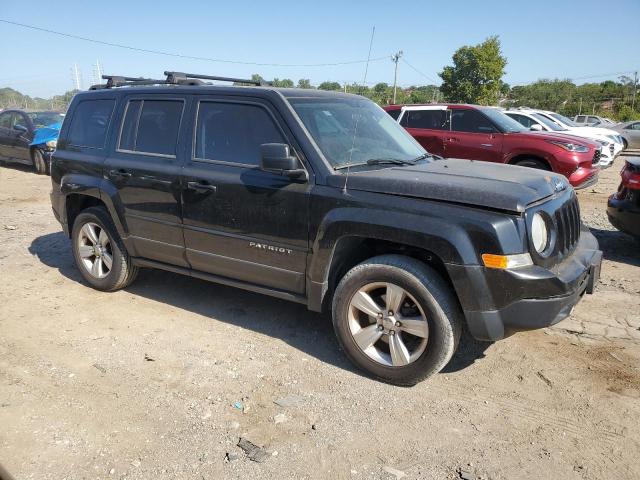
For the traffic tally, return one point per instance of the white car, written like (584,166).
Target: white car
(536,121)
(618,144)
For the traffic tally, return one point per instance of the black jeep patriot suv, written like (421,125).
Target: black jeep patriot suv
(319,198)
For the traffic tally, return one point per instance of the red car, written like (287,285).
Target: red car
(485,133)
(623,207)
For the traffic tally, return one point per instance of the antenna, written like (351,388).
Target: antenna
(355,128)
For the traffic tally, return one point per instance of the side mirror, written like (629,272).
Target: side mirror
(536,127)
(20,128)
(275,157)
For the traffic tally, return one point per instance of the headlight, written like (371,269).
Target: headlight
(539,233)
(613,138)
(604,143)
(571,147)
(52,143)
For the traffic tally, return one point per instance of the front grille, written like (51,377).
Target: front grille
(596,157)
(611,149)
(567,219)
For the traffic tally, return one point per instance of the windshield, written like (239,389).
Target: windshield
(564,120)
(45,119)
(552,125)
(354,130)
(504,121)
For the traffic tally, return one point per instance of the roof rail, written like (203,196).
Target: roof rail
(120,81)
(175,77)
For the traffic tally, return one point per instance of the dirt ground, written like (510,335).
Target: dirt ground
(162,379)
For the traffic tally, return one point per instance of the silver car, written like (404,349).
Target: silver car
(630,132)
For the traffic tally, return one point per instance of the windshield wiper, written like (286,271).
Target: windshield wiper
(385,161)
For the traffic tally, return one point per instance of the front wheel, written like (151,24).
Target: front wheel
(532,163)
(39,163)
(397,319)
(99,252)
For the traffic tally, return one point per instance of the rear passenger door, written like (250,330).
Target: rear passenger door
(144,166)
(241,222)
(429,126)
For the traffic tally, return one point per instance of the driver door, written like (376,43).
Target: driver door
(473,136)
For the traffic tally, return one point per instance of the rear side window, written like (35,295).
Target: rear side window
(151,127)
(431,119)
(470,121)
(233,132)
(90,123)
(580,118)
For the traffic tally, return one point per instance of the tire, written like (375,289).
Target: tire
(533,163)
(625,144)
(122,272)
(426,293)
(39,163)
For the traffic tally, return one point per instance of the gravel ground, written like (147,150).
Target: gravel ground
(163,379)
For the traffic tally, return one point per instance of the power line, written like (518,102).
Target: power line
(419,72)
(189,57)
(586,77)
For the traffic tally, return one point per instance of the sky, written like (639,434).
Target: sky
(540,38)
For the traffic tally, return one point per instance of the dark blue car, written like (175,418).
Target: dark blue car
(29,137)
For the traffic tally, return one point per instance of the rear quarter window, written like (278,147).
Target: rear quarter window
(90,122)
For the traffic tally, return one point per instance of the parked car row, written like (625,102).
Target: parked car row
(485,133)
(593,121)
(29,137)
(543,120)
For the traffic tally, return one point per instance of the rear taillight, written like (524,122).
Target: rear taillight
(630,176)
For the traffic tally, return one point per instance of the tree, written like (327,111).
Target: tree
(284,83)
(329,86)
(304,83)
(476,74)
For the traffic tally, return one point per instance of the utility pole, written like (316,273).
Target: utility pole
(580,107)
(75,76)
(635,89)
(97,72)
(395,59)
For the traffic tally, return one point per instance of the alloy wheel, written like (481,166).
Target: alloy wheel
(94,250)
(388,324)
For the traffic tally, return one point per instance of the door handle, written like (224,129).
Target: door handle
(201,187)
(452,139)
(120,173)
(487,144)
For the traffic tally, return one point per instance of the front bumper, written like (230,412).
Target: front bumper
(584,177)
(498,303)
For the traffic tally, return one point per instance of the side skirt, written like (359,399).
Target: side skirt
(292,297)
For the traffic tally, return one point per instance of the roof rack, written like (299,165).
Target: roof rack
(179,76)
(173,78)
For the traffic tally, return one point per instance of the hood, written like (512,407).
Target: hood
(555,137)
(45,134)
(475,183)
(597,130)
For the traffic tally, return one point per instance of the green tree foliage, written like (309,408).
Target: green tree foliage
(329,86)
(10,98)
(284,83)
(476,74)
(304,83)
(607,99)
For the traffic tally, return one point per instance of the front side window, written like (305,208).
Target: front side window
(90,123)
(580,118)
(472,121)
(526,121)
(354,130)
(430,119)
(233,132)
(151,127)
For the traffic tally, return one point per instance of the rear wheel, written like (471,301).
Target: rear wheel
(397,319)
(99,252)
(39,163)
(532,163)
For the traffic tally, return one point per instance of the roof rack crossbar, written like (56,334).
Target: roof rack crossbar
(175,77)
